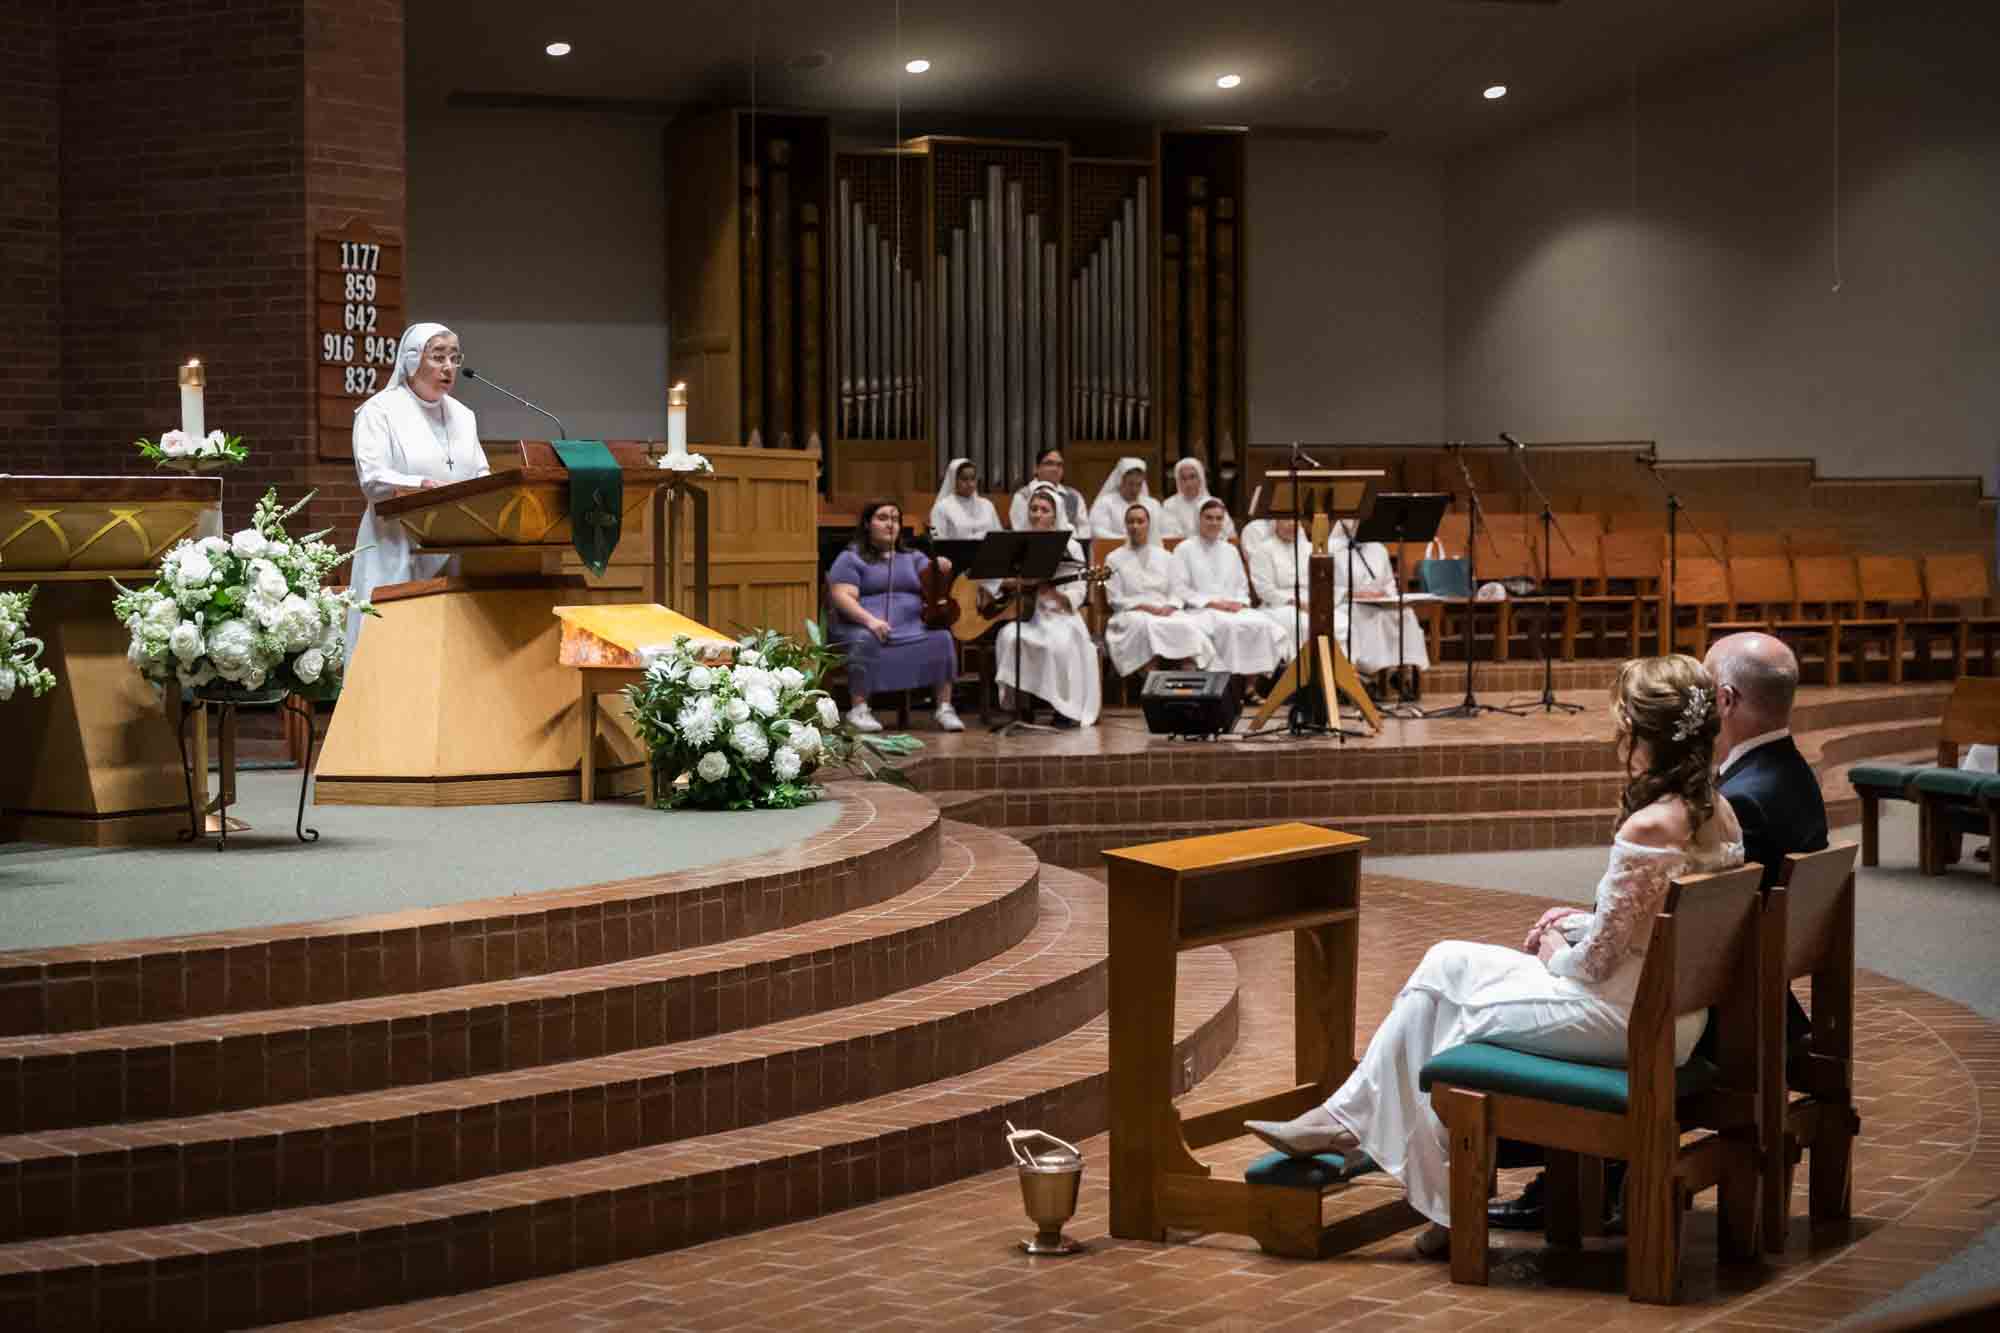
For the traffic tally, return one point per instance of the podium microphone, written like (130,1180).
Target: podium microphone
(1508,439)
(561,433)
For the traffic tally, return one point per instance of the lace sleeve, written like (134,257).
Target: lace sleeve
(1628,897)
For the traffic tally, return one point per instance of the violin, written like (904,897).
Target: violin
(940,609)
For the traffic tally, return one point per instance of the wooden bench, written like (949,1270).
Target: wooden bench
(1971,717)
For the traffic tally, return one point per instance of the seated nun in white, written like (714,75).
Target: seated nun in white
(1072,510)
(1209,581)
(1283,588)
(961,513)
(413,435)
(1125,486)
(1375,632)
(1146,620)
(1181,511)
(1058,659)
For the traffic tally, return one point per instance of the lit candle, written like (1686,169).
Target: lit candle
(677,421)
(193,379)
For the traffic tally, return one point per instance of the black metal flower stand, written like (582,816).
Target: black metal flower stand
(225,704)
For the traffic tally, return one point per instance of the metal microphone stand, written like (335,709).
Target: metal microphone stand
(1548,703)
(1650,460)
(561,432)
(1470,705)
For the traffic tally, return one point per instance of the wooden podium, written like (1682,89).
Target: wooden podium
(1170,896)
(95,760)
(455,695)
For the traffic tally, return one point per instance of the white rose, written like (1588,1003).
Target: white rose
(785,763)
(193,569)
(700,678)
(161,617)
(753,678)
(296,623)
(736,711)
(176,444)
(278,550)
(214,545)
(829,715)
(185,641)
(714,766)
(266,580)
(213,444)
(748,739)
(791,678)
(248,544)
(308,664)
(762,701)
(232,646)
(747,657)
(805,739)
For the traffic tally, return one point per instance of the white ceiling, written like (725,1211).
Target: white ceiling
(1410,68)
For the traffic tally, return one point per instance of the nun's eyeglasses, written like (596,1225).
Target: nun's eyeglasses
(446,358)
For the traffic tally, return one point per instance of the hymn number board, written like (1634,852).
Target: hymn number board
(358,315)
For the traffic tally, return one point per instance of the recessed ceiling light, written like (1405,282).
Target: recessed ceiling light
(1495,91)
(557,48)
(917,66)
(1229,81)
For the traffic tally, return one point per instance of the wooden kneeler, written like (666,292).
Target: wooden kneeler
(1170,896)
(1704,952)
(1809,931)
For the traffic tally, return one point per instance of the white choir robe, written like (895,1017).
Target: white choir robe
(1144,576)
(1246,643)
(396,449)
(1107,516)
(1058,659)
(1181,517)
(957,519)
(1283,594)
(1374,622)
(1073,515)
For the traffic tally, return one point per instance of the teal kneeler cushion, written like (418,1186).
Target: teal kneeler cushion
(1308,1173)
(1892,778)
(1962,784)
(1484,1067)
(596,500)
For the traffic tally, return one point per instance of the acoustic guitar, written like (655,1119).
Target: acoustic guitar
(974,619)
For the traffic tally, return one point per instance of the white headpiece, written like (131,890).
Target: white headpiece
(1110,486)
(1200,471)
(949,486)
(1043,488)
(409,352)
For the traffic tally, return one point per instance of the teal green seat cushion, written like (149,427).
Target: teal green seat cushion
(1891,778)
(1957,783)
(1308,1173)
(1484,1067)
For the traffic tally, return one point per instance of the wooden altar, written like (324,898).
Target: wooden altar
(94,761)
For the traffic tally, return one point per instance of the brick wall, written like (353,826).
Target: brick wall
(30,236)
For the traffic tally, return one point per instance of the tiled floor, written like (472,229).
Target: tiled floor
(1927,1172)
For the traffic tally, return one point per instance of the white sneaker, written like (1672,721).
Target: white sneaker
(947,719)
(861,719)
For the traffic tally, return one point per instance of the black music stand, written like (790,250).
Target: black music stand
(1025,557)
(1399,517)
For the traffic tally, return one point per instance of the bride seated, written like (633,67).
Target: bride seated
(1568,991)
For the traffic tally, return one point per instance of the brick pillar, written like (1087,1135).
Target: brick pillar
(30,237)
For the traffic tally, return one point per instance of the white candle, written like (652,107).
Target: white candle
(677,421)
(193,378)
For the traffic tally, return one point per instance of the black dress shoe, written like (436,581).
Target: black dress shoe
(1524,1213)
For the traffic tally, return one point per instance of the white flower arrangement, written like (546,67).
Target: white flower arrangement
(684,463)
(183,452)
(19,651)
(744,734)
(247,610)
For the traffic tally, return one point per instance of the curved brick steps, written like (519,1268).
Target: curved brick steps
(884,842)
(328,1258)
(949,921)
(109,1176)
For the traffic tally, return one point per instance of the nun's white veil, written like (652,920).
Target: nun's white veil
(1110,486)
(409,355)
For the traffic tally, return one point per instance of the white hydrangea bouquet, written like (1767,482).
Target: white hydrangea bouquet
(18,651)
(246,610)
(184,453)
(750,734)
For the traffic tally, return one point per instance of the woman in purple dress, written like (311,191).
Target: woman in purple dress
(876,587)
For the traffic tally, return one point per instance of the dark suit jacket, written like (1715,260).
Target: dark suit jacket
(1776,798)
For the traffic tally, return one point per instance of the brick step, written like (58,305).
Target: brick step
(1080,846)
(106,1177)
(884,842)
(956,917)
(329,1258)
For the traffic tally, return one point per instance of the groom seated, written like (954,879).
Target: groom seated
(1776,796)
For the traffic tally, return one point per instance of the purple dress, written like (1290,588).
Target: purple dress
(891,588)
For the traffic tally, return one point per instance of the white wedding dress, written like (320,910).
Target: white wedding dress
(1577,1007)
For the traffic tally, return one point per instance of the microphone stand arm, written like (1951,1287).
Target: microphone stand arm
(1668,610)
(477,378)
(1548,702)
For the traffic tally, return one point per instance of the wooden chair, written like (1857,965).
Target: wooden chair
(1704,952)
(1830,609)
(1650,519)
(1815,542)
(1755,544)
(1808,931)
(1630,593)
(1959,586)
(1576,571)
(1761,593)
(1893,588)
(1700,595)
(1510,554)
(1971,717)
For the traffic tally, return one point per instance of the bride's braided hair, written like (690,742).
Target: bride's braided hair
(1669,703)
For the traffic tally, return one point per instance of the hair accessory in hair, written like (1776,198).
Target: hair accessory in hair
(1694,716)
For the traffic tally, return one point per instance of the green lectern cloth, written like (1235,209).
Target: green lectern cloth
(596,499)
